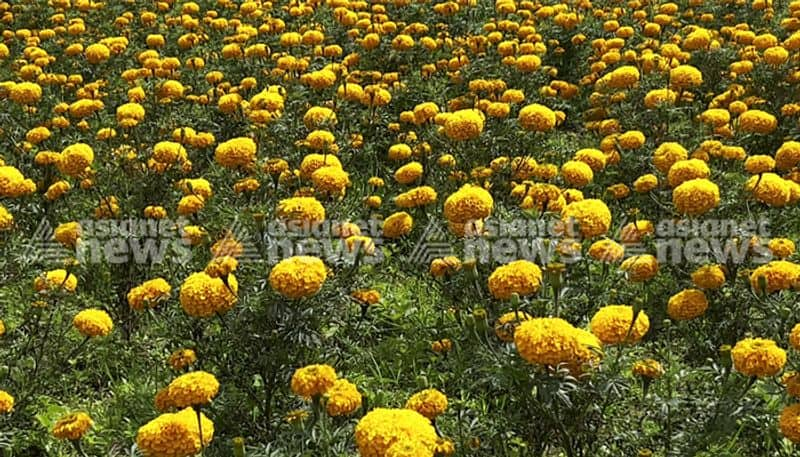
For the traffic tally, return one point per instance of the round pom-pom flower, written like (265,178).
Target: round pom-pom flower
(777,275)
(469,203)
(758,357)
(709,277)
(381,428)
(466,124)
(204,296)
(93,322)
(397,225)
(175,434)
(73,426)
(429,402)
(695,197)
(313,380)
(149,294)
(55,280)
(640,268)
(789,422)
(298,276)
(547,341)
(506,324)
(197,388)
(592,216)
(687,304)
(613,324)
(237,152)
(342,398)
(537,118)
(521,277)
(6,402)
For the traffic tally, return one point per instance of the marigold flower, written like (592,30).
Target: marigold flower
(648,368)
(313,380)
(592,216)
(709,277)
(758,357)
(204,296)
(342,398)
(521,277)
(298,277)
(381,428)
(537,118)
(429,402)
(196,388)
(237,152)
(175,434)
(695,197)
(640,268)
(687,304)
(397,225)
(612,324)
(72,426)
(6,402)
(464,125)
(93,323)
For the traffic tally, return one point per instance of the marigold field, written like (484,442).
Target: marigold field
(399,228)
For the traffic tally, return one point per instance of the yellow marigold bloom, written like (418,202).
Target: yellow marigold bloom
(623,77)
(431,403)
(301,211)
(758,357)
(397,225)
(318,116)
(521,277)
(72,426)
(169,152)
(684,170)
(648,368)
(25,93)
(238,152)
(794,337)
(55,280)
(130,114)
(408,173)
(57,190)
(75,159)
(632,139)
(221,267)
(313,162)
(6,402)
(756,121)
(445,266)
(685,77)
(612,324)
(537,118)
(175,434)
(791,380)
(770,189)
(528,63)
(442,346)
(788,155)
(758,164)
(645,183)
(330,180)
(777,275)
(667,154)
(196,388)
(789,422)
(182,359)
(657,97)
(93,322)
(640,268)
(606,250)
(577,173)
(399,152)
(716,117)
(366,296)
(191,204)
(547,341)
(313,380)
(781,247)
(68,234)
(709,277)
(204,296)
(409,448)
(6,219)
(342,398)
(592,217)
(171,89)
(97,53)
(381,428)
(418,196)
(506,324)
(687,304)
(322,140)
(695,197)
(298,276)
(466,124)
(37,135)
(469,203)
